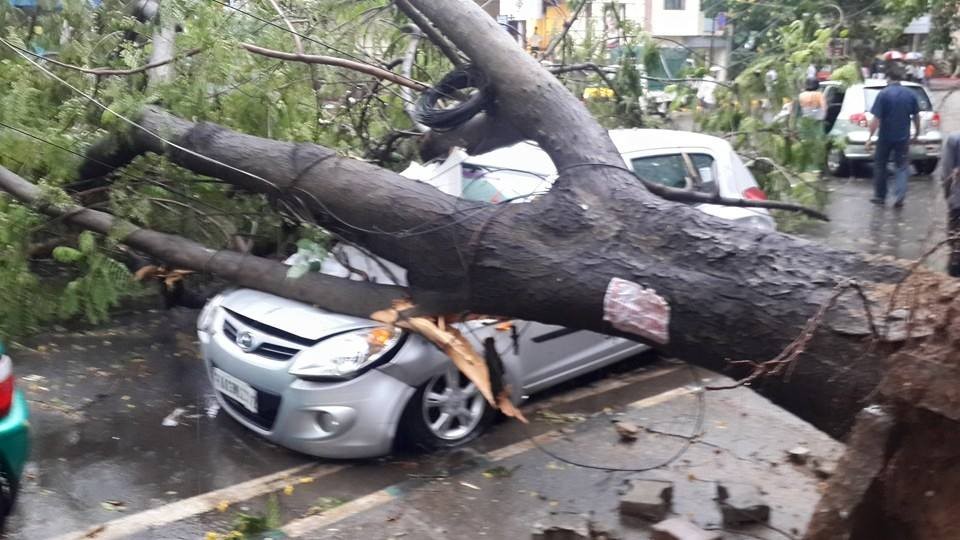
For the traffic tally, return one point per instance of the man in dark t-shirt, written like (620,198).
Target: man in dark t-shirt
(893,110)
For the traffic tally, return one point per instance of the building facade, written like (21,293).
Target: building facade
(673,24)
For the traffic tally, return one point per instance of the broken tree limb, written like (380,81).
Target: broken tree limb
(688,196)
(451,341)
(432,34)
(335,294)
(338,62)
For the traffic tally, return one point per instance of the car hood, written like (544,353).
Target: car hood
(303,320)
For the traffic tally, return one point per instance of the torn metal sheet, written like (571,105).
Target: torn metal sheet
(633,308)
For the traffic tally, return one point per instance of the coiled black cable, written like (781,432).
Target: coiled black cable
(431,115)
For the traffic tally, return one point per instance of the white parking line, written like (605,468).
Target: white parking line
(310,525)
(299,527)
(663,397)
(205,502)
(605,386)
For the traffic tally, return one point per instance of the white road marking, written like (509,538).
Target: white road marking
(300,527)
(663,397)
(205,502)
(606,386)
(311,525)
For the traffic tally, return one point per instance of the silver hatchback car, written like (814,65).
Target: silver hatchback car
(344,387)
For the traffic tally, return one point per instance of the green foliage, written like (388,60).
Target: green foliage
(287,101)
(784,152)
(310,255)
(99,286)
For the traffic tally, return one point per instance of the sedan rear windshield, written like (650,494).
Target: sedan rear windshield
(870,93)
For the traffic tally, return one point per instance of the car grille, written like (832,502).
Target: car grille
(273,351)
(268,405)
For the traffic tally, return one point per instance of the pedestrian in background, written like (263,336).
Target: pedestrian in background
(895,108)
(812,103)
(950,176)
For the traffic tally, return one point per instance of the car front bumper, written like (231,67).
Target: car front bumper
(356,418)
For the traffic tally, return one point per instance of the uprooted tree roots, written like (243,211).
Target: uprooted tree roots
(900,476)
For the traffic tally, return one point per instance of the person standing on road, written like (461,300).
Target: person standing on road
(950,176)
(893,111)
(812,103)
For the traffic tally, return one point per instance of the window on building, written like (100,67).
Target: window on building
(673,4)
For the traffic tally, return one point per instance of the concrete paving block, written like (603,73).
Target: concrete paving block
(741,504)
(628,431)
(799,455)
(562,527)
(681,529)
(647,499)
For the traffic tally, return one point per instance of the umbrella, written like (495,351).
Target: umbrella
(914,56)
(892,55)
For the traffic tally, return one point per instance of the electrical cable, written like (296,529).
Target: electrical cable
(688,440)
(429,114)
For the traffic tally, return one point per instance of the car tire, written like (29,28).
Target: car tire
(423,425)
(837,163)
(8,498)
(926,166)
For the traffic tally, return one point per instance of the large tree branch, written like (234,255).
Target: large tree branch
(339,62)
(335,294)
(432,34)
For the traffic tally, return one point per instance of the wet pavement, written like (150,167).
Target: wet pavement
(857,224)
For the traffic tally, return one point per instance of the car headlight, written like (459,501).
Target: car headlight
(205,320)
(344,355)
(759,223)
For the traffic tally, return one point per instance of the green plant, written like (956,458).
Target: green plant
(101,283)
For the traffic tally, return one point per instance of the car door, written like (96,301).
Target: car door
(551,354)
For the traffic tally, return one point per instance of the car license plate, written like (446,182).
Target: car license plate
(235,388)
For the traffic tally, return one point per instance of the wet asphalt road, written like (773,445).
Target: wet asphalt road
(100,452)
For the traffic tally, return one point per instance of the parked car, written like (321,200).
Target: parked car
(848,119)
(14,436)
(345,387)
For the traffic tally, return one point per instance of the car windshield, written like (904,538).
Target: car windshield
(870,94)
(487,184)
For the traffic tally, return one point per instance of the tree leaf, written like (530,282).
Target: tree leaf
(67,254)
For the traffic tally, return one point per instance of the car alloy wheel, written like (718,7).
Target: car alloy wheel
(452,406)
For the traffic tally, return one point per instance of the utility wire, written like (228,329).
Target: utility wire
(687,440)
